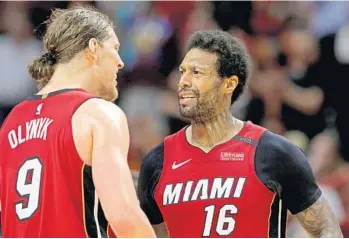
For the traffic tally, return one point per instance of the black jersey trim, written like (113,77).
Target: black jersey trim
(83,199)
(245,140)
(103,223)
(44,96)
(94,219)
(277,219)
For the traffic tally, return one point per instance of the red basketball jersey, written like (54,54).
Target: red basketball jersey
(217,194)
(46,189)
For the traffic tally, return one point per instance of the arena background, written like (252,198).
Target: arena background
(298,89)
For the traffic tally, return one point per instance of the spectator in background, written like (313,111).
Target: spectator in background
(265,85)
(147,33)
(17,47)
(303,93)
(287,84)
(327,17)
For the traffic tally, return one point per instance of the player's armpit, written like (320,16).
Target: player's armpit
(319,220)
(111,174)
(161,230)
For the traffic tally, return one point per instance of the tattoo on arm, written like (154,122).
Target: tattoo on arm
(161,230)
(319,221)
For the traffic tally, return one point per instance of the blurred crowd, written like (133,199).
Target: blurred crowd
(299,55)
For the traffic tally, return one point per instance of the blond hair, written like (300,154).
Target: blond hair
(68,32)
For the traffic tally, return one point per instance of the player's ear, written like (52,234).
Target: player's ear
(91,50)
(230,83)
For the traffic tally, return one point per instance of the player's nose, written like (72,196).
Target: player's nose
(185,81)
(120,63)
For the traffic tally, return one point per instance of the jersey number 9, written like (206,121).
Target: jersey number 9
(28,186)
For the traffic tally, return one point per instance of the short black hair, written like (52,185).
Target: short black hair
(232,57)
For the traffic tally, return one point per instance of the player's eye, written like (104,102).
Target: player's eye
(181,71)
(195,72)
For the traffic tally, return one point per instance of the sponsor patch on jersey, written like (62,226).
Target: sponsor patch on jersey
(229,156)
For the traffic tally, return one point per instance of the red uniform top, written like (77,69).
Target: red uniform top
(238,189)
(46,189)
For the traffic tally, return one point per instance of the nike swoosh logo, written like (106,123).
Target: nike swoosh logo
(175,166)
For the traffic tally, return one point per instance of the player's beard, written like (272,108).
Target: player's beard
(208,105)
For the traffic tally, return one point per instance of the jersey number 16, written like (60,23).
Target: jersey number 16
(225,224)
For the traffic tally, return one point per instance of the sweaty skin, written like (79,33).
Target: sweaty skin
(101,136)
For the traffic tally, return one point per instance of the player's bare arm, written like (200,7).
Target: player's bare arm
(319,221)
(108,150)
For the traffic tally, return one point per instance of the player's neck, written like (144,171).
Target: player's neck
(214,131)
(66,78)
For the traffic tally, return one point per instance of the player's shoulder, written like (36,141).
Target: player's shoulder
(153,159)
(98,105)
(275,143)
(277,152)
(276,158)
(155,154)
(100,110)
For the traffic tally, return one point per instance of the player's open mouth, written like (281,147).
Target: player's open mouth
(186,95)
(186,98)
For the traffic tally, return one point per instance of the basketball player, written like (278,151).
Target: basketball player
(220,176)
(63,151)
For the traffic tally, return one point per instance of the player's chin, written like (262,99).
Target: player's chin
(115,94)
(187,104)
(186,111)
(112,94)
